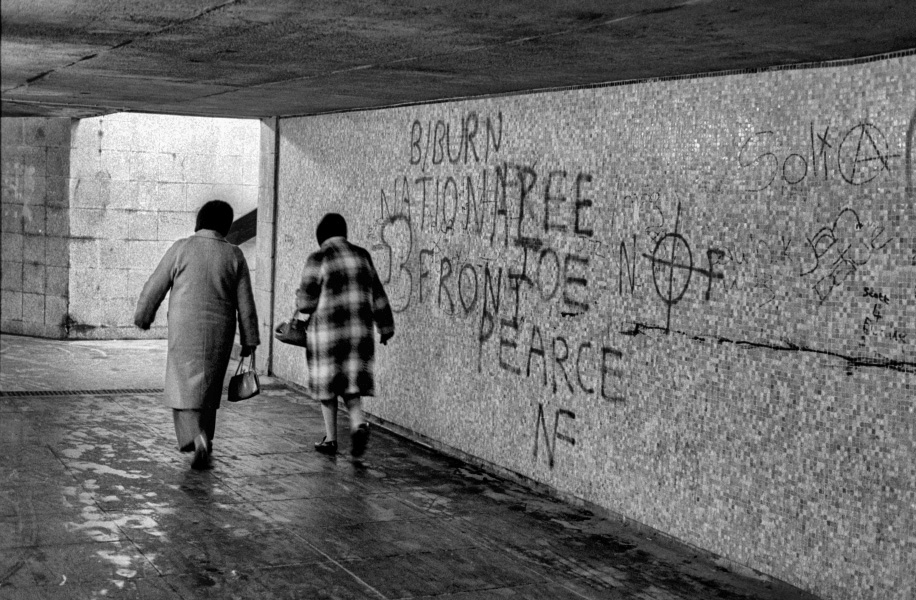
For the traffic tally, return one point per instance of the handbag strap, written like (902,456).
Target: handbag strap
(250,358)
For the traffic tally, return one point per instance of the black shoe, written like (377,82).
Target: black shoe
(359,438)
(201,453)
(326,447)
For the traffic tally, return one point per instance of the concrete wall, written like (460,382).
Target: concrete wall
(264,277)
(35,226)
(705,319)
(136,184)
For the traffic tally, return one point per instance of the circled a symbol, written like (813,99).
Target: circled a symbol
(863,154)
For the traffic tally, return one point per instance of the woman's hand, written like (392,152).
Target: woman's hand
(247,350)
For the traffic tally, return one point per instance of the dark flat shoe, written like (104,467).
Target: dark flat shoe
(201,453)
(359,439)
(326,447)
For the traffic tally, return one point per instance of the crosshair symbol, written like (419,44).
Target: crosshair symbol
(677,241)
(675,289)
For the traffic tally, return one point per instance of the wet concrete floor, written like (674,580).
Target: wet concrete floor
(95,502)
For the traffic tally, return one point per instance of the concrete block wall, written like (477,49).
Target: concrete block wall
(135,186)
(690,302)
(35,226)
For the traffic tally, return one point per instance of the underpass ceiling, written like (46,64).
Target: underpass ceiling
(236,58)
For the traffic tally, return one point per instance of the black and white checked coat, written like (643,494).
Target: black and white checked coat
(341,291)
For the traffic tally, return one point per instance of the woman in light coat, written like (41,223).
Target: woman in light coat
(210,289)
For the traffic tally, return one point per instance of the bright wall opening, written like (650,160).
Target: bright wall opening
(91,205)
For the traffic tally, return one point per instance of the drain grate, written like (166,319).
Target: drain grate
(82,392)
(33,393)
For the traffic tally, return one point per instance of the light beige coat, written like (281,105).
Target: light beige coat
(210,284)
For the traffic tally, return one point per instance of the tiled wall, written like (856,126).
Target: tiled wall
(136,184)
(35,226)
(705,319)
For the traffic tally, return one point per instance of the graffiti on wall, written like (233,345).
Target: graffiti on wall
(835,251)
(673,267)
(858,155)
(512,250)
(513,271)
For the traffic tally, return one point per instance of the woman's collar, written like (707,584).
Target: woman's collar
(331,239)
(209,233)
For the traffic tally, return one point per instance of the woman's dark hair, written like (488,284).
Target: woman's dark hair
(331,225)
(216,215)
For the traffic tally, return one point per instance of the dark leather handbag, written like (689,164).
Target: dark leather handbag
(244,384)
(292,331)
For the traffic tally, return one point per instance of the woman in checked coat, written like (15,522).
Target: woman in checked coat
(210,289)
(341,292)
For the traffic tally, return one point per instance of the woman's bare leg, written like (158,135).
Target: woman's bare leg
(329,412)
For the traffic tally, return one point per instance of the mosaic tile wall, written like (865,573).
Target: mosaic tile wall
(691,302)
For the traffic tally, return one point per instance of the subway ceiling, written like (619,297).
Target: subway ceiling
(237,58)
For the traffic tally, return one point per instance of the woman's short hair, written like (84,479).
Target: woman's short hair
(331,225)
(216,215)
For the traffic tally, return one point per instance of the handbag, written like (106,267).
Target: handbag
(244,384)
(292,331)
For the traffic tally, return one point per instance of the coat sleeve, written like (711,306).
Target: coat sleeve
(155,289)
(248,314)
(381,308)
(310,286)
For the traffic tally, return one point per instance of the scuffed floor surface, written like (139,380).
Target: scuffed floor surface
(95,502)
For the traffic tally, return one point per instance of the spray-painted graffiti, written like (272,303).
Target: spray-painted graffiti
(858,155)
(512,250)
(397,226)
(478,203)
(551,438)
(503,297)
(836,251)
(517,257)
(431,143)
(672,271)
